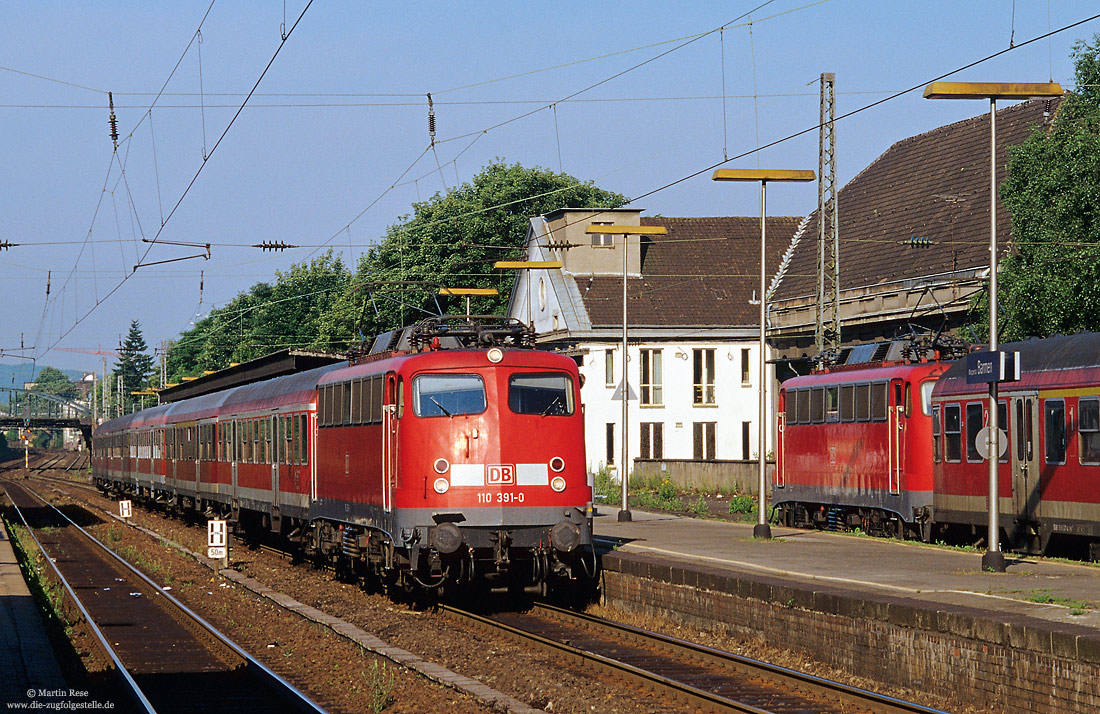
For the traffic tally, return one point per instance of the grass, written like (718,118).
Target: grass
(49,594)
(1045,597)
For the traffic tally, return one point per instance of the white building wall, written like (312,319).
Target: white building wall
(735,402)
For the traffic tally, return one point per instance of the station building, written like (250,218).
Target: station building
(693,333)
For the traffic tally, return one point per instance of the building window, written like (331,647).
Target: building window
(652,440)
(703,439)
(703,371)
(745,439)
(609,368)
(603,240)
(610,431)
(652,392)
(746,381)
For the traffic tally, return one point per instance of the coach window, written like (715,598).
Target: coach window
(448,395)
(542,394)
(832,404)
(1054,419)
(863,402)
(937,439)
(952,432)
(1088,428)
(303,439)
(879,393)
(974,414)
(848,402)
(1002,425)
(817,405)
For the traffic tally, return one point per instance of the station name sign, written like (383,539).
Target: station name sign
(990,367)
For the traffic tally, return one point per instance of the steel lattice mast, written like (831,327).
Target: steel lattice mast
(827,334)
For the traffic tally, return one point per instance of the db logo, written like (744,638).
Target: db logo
(500,474)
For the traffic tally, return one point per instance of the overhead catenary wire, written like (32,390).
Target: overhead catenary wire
(194,178)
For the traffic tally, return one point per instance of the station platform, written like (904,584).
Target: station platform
(26,658)
(1055,591)
(920,618)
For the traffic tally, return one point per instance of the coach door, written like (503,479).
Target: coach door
(895,417)
(390,421)
(1025,457)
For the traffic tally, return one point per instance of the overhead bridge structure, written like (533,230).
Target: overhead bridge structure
(39,410)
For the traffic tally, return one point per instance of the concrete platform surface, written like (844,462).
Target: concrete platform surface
(26,658)
(1055,591)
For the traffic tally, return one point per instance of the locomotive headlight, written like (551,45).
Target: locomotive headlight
(557,464)
(442,485)
(441,466)
(558,484)
(495,355)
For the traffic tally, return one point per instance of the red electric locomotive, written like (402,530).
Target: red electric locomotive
(853,444)
(457,457)
(1049,472)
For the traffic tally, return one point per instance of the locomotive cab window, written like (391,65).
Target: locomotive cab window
(542,394)
(1088,427)
(448,395)
(1054,419)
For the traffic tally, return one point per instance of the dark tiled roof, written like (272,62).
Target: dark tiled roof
(703,272)
(935,186)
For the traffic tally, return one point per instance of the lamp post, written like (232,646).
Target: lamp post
(762,529)
(527,265)
(468,293)
(993,559)
(624,388)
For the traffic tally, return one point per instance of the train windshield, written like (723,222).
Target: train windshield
(448,395)
(543,394)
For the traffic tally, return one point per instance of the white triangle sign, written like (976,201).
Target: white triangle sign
(618,395)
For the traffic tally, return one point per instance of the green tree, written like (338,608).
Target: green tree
(53,381)
(134,366)
(452,240)
(1051,282)
(449,240)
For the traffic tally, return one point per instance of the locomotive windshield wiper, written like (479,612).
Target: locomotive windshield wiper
(550,406)
(441,407)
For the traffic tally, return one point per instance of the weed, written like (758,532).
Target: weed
(742,504)
(1077,607)
(699,506)
(666,490)
(379,686)
(605,485)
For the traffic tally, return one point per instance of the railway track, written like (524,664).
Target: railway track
(701,677)
(166,658)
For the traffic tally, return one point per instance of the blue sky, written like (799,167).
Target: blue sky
(332,147)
